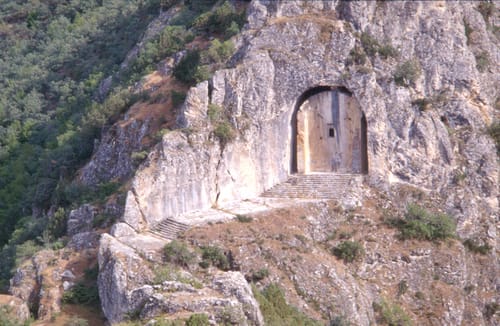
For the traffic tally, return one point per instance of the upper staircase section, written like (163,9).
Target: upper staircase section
(169,228)
(314,186)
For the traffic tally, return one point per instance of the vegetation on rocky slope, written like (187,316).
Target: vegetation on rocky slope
(54,100)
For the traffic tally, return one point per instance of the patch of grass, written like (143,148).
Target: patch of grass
(369,43)
(473,246)
(76,321)
(420,224)
(198,320)
(244,218)
(407,73)
(224,131)
(178,253)
(357,56)
(387,51)
(349,251)
(391,314)
(276,311)
(372,47)
(215,256)
(214,112)
(169,322)
(259,275)
(164,273)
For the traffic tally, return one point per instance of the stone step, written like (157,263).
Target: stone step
(310,186)
(169,228)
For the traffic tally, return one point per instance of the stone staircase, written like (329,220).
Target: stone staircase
(314,186)
(169,228)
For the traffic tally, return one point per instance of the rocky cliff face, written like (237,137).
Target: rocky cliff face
(425,75)
(424,128)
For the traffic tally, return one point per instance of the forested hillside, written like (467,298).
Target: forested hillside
(53,101)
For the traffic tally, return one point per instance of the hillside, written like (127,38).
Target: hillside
(250,162)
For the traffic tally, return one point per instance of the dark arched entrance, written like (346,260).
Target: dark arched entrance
(328,133)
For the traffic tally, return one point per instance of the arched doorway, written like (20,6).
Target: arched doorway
(329,133)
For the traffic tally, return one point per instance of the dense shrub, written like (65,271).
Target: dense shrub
(57,224)
(178,253)
(407,73)
(423,225)
(259,275)
(369,43)
(224,131)
(198,320)
(82,293)
(224,20)
(391,314)
(186,69)
(473,246)
(357,56)
(220,51)
(244,218)
(215,256)
(276,311)
(349,251)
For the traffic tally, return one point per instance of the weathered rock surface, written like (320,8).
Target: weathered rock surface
(122,279)
(33,281)
(125,286)
(17,307)
(112,158)
(81,219)
(291,47)
(234,284)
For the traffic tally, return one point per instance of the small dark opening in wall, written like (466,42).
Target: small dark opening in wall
(331,132)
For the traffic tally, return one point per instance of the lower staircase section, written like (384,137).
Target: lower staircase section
(169,228)
(315,186)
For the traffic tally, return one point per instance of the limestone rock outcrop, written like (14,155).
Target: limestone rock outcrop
(292,47)
(413,68)
(127,285)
